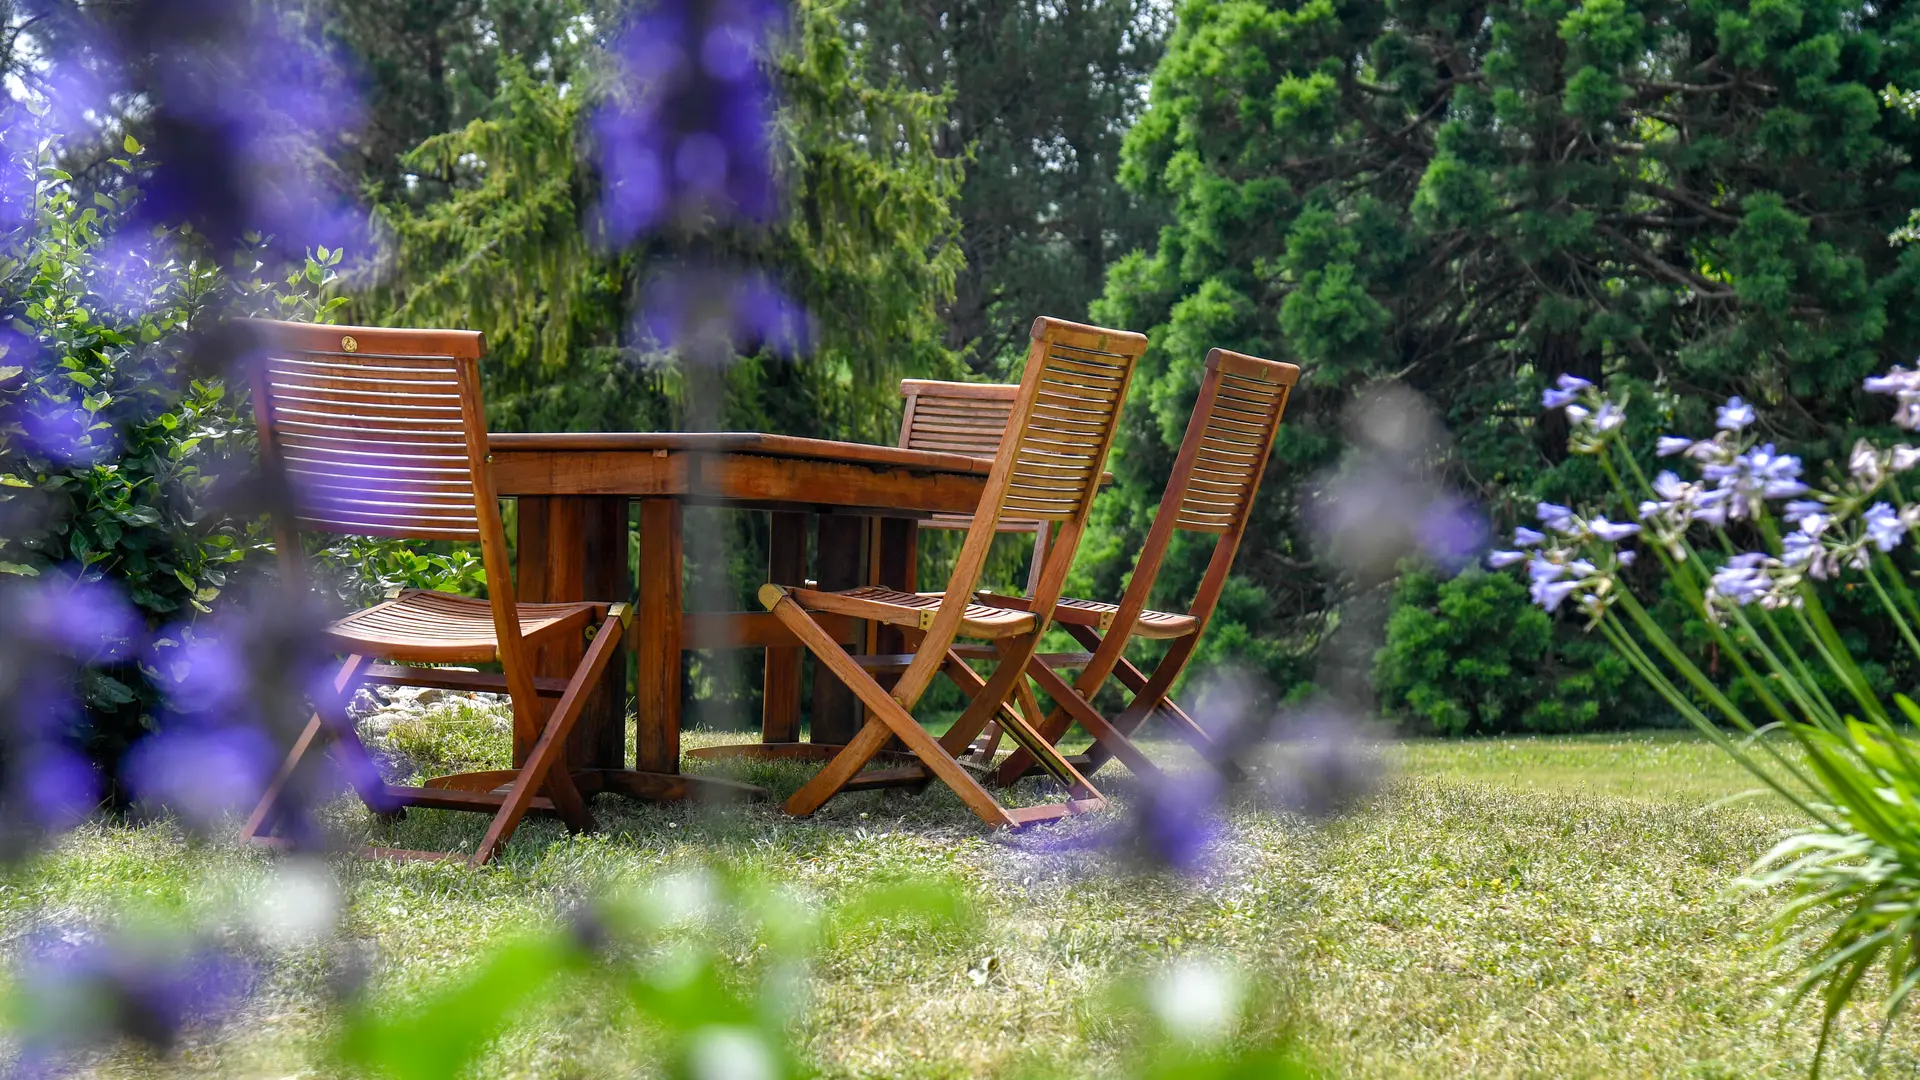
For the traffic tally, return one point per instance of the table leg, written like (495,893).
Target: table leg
(842,565)
(656,635)
(575,548)
(657,638)
(786,565)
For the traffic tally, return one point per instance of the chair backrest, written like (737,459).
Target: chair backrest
(955,417)
(1047,469)
(1216,474)
(380,432)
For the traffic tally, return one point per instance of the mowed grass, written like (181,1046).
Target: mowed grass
(1525,907)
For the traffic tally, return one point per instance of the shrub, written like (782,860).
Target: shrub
(1469,655)
(113,450)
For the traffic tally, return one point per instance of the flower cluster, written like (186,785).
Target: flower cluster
(1740,478)
(1558,566)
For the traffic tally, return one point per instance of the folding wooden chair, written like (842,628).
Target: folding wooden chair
(1215,477)
(1047,469)
(965,418)
(380,432)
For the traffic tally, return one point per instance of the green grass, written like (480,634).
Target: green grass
(1522,907)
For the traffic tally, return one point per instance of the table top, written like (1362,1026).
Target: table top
(757,444)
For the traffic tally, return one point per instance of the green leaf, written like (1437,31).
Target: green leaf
(438,1038)
(131,144)
(105,689)
(18,569)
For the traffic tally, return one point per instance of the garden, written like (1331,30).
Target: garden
(761,538)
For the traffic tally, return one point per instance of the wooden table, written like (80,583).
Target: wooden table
(574,492)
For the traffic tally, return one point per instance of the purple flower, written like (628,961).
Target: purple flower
(1760,473)
(1178,821)
(1735,415)
(1572,383)
(1551,594)
(1542,569)
(1612,532)
(1884,527)
(689,305)
(1525,537)
(688,133)
(1800,508)
(1798,548)
(1557,399)
(1904,458)
(1626,558)
(1555,517)
(86,992)
(1742,581)
(1450,531)
(1669,445)
(201,773)
(1500,560)
(1897,381)
(58,786)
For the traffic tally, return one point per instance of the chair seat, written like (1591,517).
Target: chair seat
(436,627)
(897,607)
(1157,625)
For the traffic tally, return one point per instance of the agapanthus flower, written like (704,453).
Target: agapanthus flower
(1801,508)
(1735,415)
(1627,557)
(1554,516)
(1885,526)
(1612,532)
(1903,457)
(1565,390)
(1760,473)
(1897,381)
(1500,560)
(1525,537)
(1669,445)
(1742,581)
(1863,464)
(1551,594)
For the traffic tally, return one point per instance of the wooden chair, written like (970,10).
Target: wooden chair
(965,418)
(380,432)
(1047,469)
(1215,477)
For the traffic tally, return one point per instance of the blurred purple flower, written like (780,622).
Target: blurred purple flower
(58,786)
(1451,531)
(1177,820)
(201,773)
(1743,580)
(1565,390)
(82,992)
(1551,594)
(68,434)
(1525,537)
(1626,558)
(1326,762)
(1885,529)
(85,618)
(1669,445)
(1734,415)
(1502,559)
(688,132)
(688,306)
(1554,516)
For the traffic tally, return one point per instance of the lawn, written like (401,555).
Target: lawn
(1518,907)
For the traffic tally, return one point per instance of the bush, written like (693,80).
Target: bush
(112,448)
(1470,655)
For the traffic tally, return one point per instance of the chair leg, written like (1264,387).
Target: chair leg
(890,718)
(1104,733)
(548,752)
(329,725)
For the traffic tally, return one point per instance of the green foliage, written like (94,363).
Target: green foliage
(1042,212)
(109,444)
(866,247)
(1470,655)
(1458,197)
